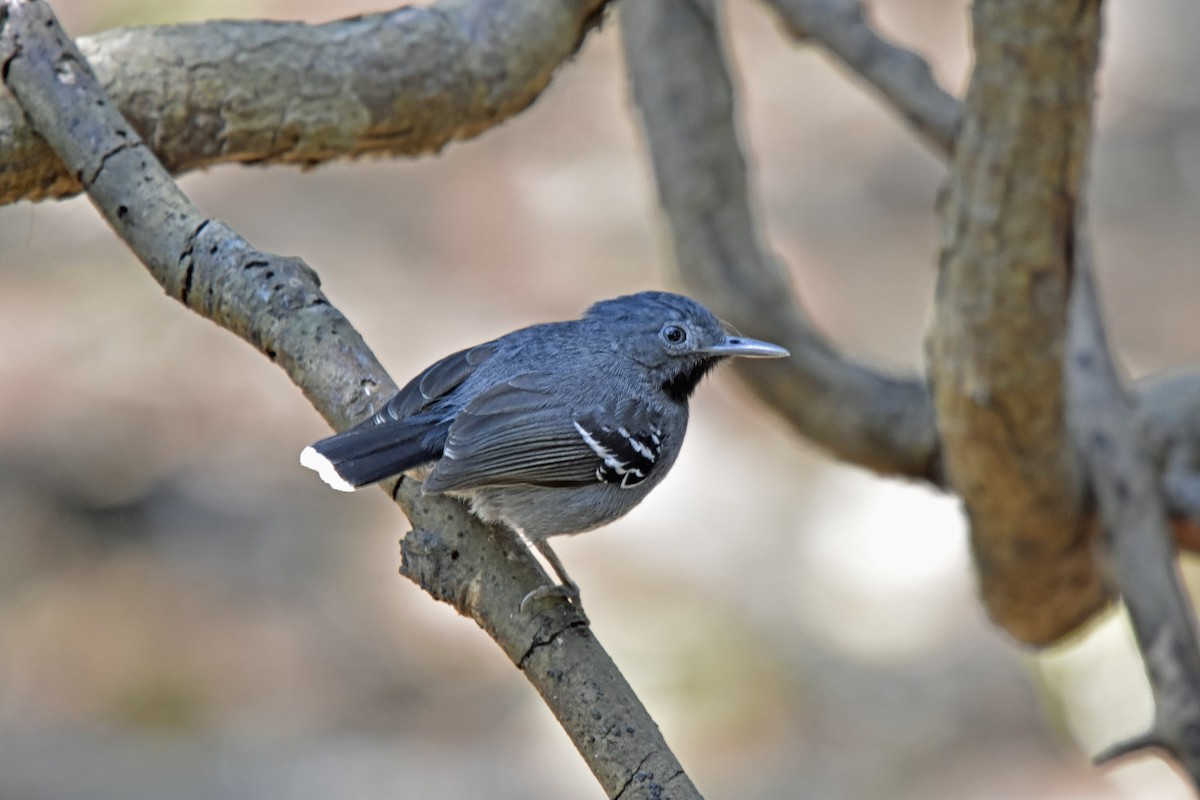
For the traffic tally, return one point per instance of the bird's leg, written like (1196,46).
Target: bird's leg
(565,588)
(569,586)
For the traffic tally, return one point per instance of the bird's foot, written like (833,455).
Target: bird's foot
(568,591)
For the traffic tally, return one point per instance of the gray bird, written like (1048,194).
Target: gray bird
(553,429)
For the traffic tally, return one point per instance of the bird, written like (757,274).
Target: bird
(553,429)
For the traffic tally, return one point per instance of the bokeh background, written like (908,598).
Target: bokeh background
(186,613)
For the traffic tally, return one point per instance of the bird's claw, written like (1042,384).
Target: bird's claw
(566,591)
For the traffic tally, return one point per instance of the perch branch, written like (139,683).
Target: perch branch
(903,78)
(1135,526)
(683,91)
(996,343)
(399,83)
(275,303)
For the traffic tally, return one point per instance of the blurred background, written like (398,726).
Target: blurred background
(187,613)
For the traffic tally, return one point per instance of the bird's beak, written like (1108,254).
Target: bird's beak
(746,348)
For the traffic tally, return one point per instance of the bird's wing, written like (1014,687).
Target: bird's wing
(520,432)
(436,382)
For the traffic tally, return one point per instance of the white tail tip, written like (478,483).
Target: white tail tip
(324,467)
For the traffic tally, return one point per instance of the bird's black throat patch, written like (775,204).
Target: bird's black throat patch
(681,386)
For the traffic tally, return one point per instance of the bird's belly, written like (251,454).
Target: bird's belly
(540,512)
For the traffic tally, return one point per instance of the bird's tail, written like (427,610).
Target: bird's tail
(370,453)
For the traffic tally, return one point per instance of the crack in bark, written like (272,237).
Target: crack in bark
(90,180)
(188,259)
(633,775)
(186,291)
(540,642)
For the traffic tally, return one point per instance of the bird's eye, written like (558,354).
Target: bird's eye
(673,334)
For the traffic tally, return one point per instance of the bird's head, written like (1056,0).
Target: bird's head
(674,337)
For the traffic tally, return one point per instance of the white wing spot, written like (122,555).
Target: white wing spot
(639,456)
(591,442)
(610,460)
(607,456)
(642,450)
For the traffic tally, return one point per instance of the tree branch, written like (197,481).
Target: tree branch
(399,83)
(1168,407)
(1135,526)
(996,343)
(683,92)
(276,304)
(901,77)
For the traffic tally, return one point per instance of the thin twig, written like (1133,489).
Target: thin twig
(1135,527)
(903,78)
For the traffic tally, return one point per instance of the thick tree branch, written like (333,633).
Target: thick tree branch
(901,77)
(683,92)
(1168,407)
(1135,526)
(275,303)
(996,344)
(404,82)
